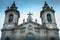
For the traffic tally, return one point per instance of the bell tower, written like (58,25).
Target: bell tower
(48,16)
(11,17)
(48,21)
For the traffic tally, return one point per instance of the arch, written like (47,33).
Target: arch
(52,38)
(7,38)
(30,36)
(10,18)
(49,18)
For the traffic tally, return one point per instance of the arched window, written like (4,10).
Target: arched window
(49,18)
(52,38)
(30,37)
(10,18)
(7,38)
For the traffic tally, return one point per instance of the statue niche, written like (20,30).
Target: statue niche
(10,18)
(49,18)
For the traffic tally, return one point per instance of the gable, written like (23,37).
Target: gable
(32,24)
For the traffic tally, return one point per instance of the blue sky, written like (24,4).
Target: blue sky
(26,6)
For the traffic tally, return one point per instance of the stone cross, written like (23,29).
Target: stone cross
(29,14)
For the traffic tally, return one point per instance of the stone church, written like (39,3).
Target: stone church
(30,30)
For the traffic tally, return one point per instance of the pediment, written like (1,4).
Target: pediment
(33,24)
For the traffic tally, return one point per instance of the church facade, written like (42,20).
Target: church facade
(30,30)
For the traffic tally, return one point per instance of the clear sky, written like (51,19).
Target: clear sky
(26,6)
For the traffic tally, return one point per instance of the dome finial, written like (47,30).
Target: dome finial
(46,3)
(46,6)
(13,2)
(23,20)
(36,20)
(13,6)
